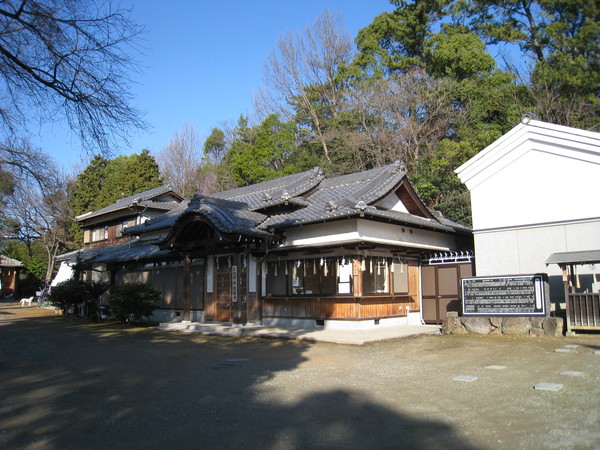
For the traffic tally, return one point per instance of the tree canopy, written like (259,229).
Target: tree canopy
(104,181)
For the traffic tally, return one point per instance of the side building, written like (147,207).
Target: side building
(534,193)
(301,250)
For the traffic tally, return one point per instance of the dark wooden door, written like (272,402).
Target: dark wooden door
(223,298)
(442,290)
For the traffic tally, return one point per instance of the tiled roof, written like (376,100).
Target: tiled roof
(89,253)
(227,216)
(133,252)
(577,258)
(314,198)
(339,196)
(276,191)
(5,261)
(144,199)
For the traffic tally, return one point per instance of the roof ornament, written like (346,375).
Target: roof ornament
(266,197)
(330,206)
(361,207)
(528,117)
(286,197)
(317,173)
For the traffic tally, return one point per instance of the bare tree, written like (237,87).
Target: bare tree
(67,59)
(402,118)
(301,76)
(43,213)
(22,161)
(181,160)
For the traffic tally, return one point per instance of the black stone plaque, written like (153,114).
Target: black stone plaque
(515,295)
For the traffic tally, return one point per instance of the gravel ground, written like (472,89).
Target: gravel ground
(69,384)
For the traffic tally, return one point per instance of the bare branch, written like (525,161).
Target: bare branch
(72,57)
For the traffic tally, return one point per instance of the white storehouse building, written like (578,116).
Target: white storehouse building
(534,193)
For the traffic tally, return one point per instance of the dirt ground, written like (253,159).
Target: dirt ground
(70,384)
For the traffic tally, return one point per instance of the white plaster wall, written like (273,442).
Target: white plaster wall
(369,231)
(525,250)
(393,203)
(539,186)
(412,237)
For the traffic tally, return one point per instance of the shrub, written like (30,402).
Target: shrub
(69,293)
(136,300)
(74,292)
(94,290)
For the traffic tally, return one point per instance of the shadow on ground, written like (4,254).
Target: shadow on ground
(71,384)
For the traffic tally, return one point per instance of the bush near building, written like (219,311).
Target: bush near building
(133,301)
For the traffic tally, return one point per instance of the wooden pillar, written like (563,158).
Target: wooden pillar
(187,287)
(567,282)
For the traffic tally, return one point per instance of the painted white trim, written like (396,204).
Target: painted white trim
(539,136)
(535,225)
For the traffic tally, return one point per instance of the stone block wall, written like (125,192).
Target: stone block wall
(516,326)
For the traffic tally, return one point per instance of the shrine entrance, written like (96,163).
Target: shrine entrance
(231,289)
(224,308)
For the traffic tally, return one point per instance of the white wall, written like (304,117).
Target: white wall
(368,231)
(525,250)
(538,187)
(534,192)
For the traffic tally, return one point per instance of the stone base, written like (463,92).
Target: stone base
(514,326)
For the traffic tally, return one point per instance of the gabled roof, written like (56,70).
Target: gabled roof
(146,199)
(355,195)
(548,137)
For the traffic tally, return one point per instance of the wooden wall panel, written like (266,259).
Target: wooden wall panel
(351,308)
(209,306)
(253,308)
(414,284)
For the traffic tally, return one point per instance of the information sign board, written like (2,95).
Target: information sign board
(515,295)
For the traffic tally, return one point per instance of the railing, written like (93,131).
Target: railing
(583,311)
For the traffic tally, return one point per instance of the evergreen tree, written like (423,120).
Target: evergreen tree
(103,182)
(263,152)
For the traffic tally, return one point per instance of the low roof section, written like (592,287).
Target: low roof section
(135,251)
(574,258)
(5,261)
(161,198)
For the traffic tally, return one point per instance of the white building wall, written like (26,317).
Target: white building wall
(534,192)
(525,250)
(538,187)
(367,231)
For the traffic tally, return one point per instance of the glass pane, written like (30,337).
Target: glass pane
(276,278)
(400,277)
(376,276)
(329,277)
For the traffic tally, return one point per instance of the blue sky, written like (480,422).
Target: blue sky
(203,62)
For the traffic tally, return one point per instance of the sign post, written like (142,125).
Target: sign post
(513,295)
